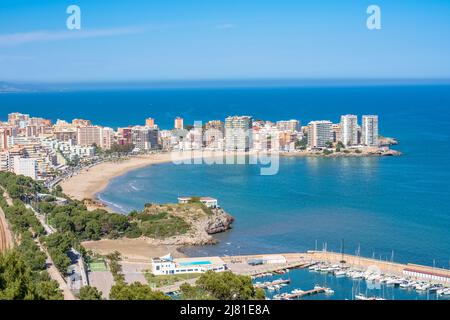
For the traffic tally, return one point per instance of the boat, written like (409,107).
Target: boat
(297,291)
(422,287)
(340,273)
(393,282)
(361,297)
(443,292)
(271,288)
(329,291)
(357,275)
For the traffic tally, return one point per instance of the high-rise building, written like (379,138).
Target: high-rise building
(26,167)
(5,135)
(319,133)
(369,130)
(214,134)
(288,125)
(178,123)
(336,131)
(89,135)
(349,130)
(124,136)
(238,133)
(144,138)
(107,138)
(150,122)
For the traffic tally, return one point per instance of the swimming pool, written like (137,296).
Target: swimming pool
(195,263)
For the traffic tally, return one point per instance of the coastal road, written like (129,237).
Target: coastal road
(6,239)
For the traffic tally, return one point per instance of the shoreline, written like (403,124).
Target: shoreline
(88,183)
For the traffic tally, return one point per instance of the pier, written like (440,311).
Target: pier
(272,283)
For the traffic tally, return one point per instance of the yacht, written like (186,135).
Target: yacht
(340,273)
(329,291)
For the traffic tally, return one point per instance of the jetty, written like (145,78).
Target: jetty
(272,283)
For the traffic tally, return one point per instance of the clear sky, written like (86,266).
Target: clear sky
(223,39)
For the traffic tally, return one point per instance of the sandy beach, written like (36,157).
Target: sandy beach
(89,182)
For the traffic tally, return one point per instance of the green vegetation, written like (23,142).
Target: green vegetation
(167,280)
(327,152)
(160,225)
(222,286)
(302,144)
(329,144)
(90,293)
(339,146)
(84,224)
(135,291)
(19,282)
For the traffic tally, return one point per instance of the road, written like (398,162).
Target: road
(6,237)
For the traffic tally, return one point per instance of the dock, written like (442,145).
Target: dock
(300,294)
(272,283)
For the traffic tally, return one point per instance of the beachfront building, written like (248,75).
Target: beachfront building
(238,133)
(369,130)
(319,133)
(207,201)
(167,265)
(178,123)
(89,135)
(349,130)
(144,138)
(288,125)
(26,167)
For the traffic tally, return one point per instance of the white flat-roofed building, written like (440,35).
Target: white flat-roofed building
(167,265)
(319,133)
(207,201)
(238,133)
(349,130)
(26,167)
(369,130)
(439,276)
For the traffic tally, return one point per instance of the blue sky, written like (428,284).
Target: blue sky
(223,39)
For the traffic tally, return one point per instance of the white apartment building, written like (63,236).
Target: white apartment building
(238,133)
(25,166)
(289,125)
(349,130)
(144,138)
(369,130)
(319,133)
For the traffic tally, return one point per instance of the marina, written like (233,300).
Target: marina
(332,276)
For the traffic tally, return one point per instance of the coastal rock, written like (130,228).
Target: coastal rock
(220,222)
(203,223)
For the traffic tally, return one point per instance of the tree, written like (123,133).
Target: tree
(17,281)
(222,286)
(90,293)
(135,291)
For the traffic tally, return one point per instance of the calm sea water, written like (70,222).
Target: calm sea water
(397,204)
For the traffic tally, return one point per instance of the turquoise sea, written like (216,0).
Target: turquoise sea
(398,206)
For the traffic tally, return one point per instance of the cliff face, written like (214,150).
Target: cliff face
(219,222)
(203,223)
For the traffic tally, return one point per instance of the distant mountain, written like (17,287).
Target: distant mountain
(9,87)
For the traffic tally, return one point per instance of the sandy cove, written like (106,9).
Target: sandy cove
(90,181)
